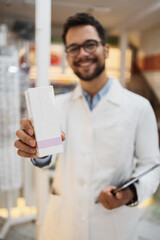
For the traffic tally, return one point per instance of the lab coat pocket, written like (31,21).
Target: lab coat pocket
(52,226)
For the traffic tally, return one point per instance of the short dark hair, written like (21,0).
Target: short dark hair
(83,19)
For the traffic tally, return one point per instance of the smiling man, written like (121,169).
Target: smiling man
(111,137)
(87,59)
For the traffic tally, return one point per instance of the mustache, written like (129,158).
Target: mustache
(76,63)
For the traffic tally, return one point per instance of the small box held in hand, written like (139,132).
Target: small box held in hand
(44,118)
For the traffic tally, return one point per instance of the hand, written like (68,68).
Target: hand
(26,144)
(109,201)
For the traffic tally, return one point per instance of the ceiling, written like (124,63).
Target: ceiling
(115,15)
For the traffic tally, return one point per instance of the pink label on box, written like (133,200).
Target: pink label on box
(49,143)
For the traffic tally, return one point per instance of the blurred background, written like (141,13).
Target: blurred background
(133,33)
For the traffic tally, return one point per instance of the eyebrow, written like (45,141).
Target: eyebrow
(76,44)
(73,44)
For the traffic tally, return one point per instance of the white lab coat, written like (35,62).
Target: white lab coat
(107,146)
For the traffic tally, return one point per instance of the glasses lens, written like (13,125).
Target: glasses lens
(90,46)
(73,50)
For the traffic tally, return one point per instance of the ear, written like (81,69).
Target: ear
(106,50)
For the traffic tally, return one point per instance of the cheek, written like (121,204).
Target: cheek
(102,57)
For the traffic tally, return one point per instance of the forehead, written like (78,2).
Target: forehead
(80,34)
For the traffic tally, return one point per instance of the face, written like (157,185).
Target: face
(87,66)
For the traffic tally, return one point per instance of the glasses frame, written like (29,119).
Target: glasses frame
(83,46)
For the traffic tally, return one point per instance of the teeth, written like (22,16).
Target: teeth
(85,64)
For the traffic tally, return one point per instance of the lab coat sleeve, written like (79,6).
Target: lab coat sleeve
(146,153)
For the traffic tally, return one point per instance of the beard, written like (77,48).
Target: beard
(89,76)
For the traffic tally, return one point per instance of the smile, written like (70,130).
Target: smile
(86,63)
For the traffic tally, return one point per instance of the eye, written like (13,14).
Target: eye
(90,45)
(73,49)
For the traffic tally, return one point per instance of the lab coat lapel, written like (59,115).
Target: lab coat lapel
(115,93)
(112,101)
(109,102)
(78,95)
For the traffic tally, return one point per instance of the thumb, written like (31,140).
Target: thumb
(63,136)
(119,195)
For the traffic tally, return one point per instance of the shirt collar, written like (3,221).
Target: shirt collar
(114,94)
(98,96)
(102,91)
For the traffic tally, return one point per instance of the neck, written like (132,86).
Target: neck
(94,86)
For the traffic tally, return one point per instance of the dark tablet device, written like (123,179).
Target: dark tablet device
(133,180)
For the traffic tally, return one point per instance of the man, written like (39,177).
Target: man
(111,136)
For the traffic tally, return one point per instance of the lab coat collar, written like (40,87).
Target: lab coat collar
(77,92)
(114,94)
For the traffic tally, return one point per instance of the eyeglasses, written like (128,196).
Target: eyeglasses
(89,46)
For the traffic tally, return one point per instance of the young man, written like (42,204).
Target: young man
(111,136)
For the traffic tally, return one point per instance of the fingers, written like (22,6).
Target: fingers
(110,201)
(27,126)
(26,144)
(25,138)
(107,198)
(119,195)
(24,147)
(26,155)
(25,150)
(126,195)
(63,136)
